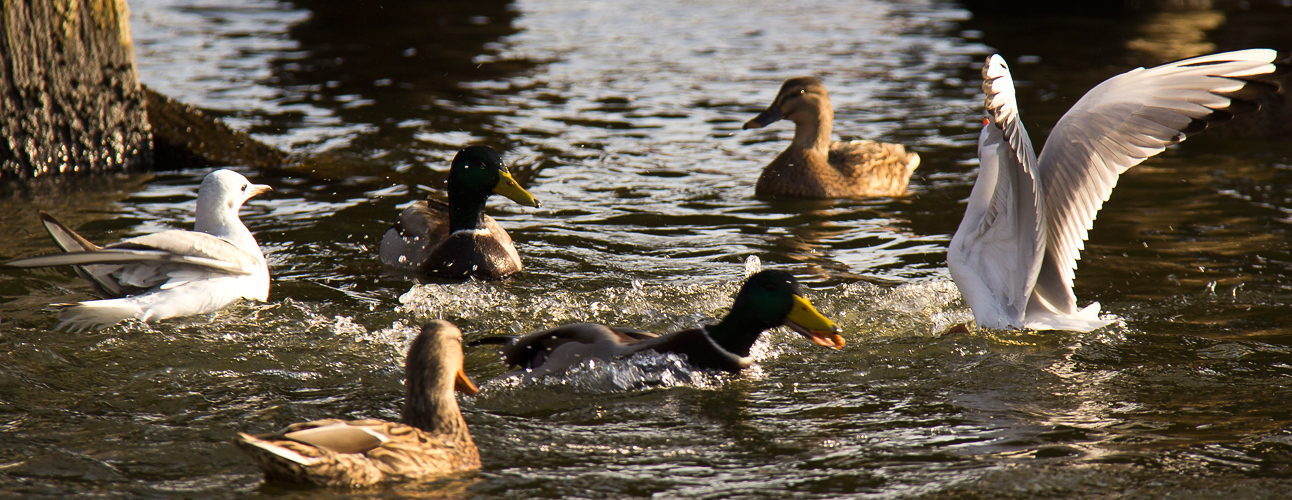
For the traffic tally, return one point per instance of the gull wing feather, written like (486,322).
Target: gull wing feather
(1119,124)
(166,259)
(124,256)
(997,250)
(65,237)
(200,249)
(69,241)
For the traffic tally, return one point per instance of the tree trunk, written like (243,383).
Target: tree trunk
(70,99)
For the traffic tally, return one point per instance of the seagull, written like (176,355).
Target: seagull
(1014,255)
(170,273)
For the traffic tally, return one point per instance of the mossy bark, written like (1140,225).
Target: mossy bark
(70,98)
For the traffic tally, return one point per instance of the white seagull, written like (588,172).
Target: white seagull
(166,274)
(1026,223)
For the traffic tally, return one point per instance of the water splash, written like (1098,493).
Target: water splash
(752,265)
(642,371)
(492,308)
(921,308)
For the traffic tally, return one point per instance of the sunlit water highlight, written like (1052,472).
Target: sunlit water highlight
(627,128)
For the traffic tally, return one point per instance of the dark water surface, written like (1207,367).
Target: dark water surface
(624,119)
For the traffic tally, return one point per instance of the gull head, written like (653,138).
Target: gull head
(220,196)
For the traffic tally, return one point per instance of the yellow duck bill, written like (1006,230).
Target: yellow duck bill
(507,186)
(805,319)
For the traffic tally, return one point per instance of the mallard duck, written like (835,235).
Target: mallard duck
(170,273)
(1015,251)
(813,166)
(767,299)
(431,440)
(457,240)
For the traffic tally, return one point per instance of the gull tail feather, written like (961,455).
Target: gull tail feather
(1085,320)
(96,314)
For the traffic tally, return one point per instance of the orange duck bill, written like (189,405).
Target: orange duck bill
(805,319)
(464,384)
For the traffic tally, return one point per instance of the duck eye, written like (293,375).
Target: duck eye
(244,186)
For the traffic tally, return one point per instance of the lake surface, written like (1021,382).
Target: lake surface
(624,119)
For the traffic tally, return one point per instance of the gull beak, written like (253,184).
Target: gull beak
(805,319)
(256,189)
(508,187)
(765,118)
(464,384)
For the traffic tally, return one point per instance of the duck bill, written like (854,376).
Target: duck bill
(763,119)
(464,384)
(507,186)
(805,319)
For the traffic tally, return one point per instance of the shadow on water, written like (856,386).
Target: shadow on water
(398,69)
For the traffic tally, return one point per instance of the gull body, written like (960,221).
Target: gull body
(170,273)
(1027,219)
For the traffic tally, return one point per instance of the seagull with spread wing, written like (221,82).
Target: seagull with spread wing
(170,273)
(1026,222)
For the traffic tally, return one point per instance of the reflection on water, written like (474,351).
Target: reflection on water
(627,124)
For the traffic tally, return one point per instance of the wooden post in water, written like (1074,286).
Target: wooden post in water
(70,99)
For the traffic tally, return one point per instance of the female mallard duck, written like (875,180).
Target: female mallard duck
(457,240)
(767,299)
(431,440)
(814,167)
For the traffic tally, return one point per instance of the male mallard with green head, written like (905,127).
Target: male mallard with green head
(457,240)
(813,166)
(767,299)
(432,439)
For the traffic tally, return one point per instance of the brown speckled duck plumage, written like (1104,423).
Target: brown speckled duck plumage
(432,440)
(815,167)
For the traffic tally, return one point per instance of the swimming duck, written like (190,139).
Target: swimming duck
(1014,255)
(767,299)
(431,440)
(813,166)
(457,240)
(169,273)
